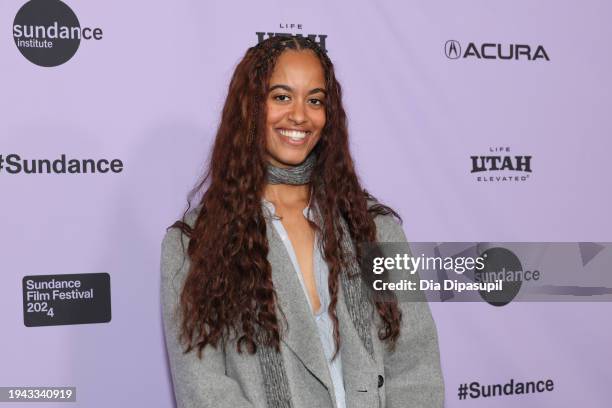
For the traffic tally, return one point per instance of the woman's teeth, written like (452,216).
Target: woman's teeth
(294,135)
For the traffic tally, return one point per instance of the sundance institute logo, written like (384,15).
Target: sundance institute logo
(48,33)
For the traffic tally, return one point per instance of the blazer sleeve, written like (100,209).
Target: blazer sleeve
(197,382)
(413,376)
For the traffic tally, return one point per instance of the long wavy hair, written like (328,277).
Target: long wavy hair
(228,291)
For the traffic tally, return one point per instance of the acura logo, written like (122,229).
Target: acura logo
(497,51)
(452,49)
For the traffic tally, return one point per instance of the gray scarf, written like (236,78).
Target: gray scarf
(276,384)
(294,175)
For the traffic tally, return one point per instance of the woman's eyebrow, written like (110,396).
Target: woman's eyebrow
(289,89)
(317,90)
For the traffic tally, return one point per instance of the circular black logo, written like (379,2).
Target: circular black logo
(500,263)
(452,49)
(47,32)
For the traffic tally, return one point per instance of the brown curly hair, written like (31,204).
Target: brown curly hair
(228,291)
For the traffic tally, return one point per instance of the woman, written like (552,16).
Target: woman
(262,296)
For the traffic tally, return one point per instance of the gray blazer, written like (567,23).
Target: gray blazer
(408,377)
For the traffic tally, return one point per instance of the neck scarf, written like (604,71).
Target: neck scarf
(294,175)
(276,385)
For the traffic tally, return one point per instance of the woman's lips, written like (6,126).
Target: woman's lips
(292,136)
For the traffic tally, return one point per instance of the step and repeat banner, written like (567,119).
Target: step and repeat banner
(476,121)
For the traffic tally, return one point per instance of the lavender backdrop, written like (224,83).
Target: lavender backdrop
(150,92)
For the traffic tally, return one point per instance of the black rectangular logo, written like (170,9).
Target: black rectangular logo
(51,300)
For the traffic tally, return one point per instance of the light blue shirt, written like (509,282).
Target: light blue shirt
(322,319)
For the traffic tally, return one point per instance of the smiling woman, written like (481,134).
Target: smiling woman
(264,303)
(295,108)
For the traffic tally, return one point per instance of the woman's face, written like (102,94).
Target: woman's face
(295,107)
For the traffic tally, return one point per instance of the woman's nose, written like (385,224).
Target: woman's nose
(297,113)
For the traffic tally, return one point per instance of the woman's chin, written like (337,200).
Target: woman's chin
(288,160)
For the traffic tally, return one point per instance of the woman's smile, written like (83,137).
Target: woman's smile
(293,137)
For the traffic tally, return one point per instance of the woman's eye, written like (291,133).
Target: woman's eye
(282,98)
(316,102)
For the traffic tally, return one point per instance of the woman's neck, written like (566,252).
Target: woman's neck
(286,195)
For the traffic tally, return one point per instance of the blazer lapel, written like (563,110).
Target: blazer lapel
(302,335)
(357,364)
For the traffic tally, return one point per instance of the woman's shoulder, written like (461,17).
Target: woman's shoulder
(175,242)
(388,224)
(192,215)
